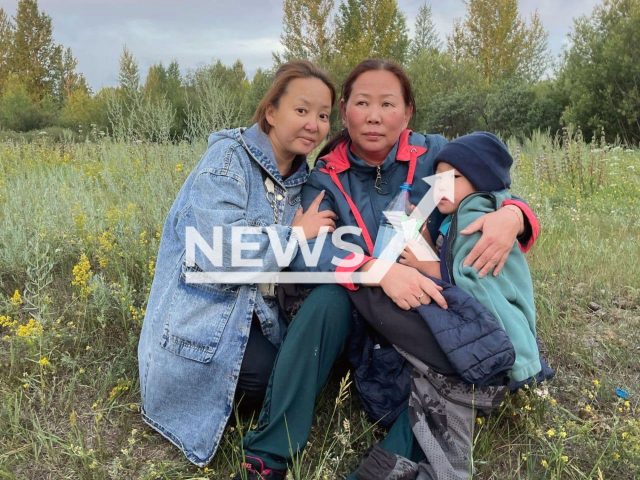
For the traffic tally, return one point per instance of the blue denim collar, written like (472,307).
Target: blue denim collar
(259,145)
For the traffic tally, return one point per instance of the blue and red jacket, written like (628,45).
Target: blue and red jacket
(349,185)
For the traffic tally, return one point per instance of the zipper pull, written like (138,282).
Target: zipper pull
(379,183)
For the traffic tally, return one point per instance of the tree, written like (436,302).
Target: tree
(306,31)
(601,76)
(6,37)
(18,111)
(155,85)
(35,57)
(426,37)
(449,95)
(370,28)
(177,97)
(70,80)
(499,40)
(259,86)
(129,75)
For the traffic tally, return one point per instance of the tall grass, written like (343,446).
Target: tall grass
(79,232)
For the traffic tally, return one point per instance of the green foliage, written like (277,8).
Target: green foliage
(374,28)
(517,108)
(426,36)
(6,34)
(79,109)
(129,74)
(35,58)
(306,31)
(602,71)
(70,80)
(19,112)
(495,36)
(449,95)
(259,85)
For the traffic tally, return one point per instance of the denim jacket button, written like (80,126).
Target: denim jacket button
(279,197)
(269,324)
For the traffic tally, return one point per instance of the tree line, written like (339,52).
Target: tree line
(493,72)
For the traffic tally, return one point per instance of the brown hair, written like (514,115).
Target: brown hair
(285,74)
(369,65)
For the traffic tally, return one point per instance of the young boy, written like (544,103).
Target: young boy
(481,164)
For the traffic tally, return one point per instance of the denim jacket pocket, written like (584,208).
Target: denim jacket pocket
(197,318)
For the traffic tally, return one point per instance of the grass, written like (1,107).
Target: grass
(79,230)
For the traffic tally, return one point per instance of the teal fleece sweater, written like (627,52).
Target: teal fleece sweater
(509,296)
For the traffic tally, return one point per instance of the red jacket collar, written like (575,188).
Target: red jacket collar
(338,158)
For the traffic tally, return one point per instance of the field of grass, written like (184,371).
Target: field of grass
(79,231)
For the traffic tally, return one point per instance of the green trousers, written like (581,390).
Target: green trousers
(316,337)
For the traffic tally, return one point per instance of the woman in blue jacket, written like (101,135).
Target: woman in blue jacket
(204,344)
(359,171)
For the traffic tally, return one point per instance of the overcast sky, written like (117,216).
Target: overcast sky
(195,32)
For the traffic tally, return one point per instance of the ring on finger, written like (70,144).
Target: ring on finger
(420,296)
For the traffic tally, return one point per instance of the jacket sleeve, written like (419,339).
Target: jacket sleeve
(508,296)
(330,257)
(218,200)
(531,225)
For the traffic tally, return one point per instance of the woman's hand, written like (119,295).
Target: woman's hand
(408,288)
(312,220)
(499,232)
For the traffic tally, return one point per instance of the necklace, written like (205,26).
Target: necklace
(379,183)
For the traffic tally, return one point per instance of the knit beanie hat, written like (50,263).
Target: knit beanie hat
(481,157)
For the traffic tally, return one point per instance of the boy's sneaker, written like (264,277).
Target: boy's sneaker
(254,469)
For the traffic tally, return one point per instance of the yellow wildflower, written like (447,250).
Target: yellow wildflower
(563,434)
(551,433)
(596,383)
(565,459)
(616,456)
(553,401)
(25,385)
(44,362)
(627,404)
(16,300)
(31,329)
(82,276)
(7,321)
(179,167)
(122,386)
(544,463)
(588,408)
(625,434)
(479,421)
(524,457)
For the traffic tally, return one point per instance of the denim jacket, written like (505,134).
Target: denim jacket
(194,334)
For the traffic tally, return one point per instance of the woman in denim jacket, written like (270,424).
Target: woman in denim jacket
(203,345)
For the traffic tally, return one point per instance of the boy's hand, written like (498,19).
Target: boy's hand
(409,258)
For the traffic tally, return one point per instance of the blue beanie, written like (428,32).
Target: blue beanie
(481,157)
